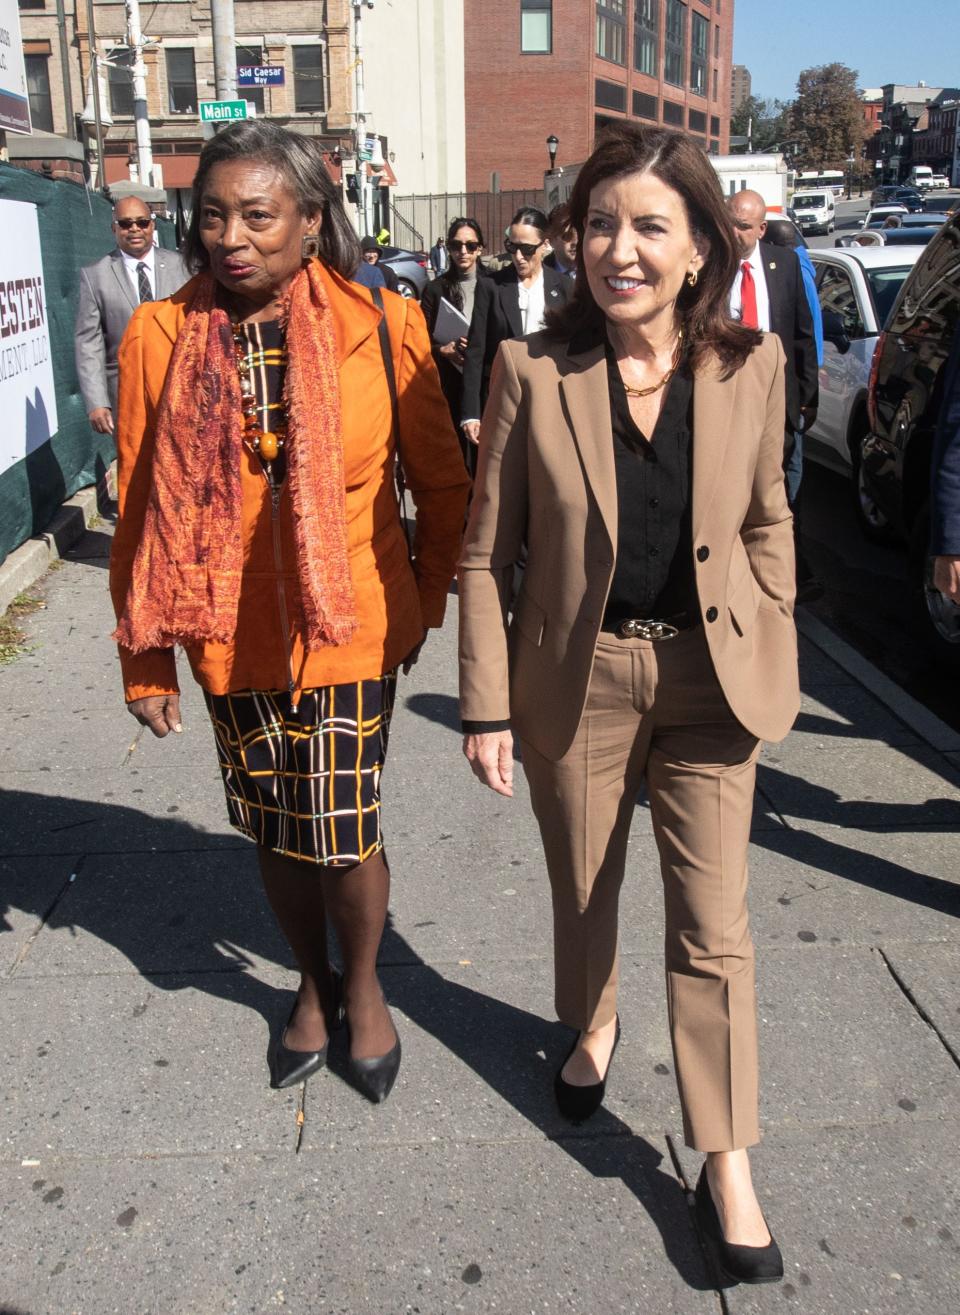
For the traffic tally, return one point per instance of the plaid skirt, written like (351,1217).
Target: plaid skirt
(306,784)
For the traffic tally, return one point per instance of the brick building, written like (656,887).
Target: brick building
(741,86)
(935,143)
(309,39)
(567,67)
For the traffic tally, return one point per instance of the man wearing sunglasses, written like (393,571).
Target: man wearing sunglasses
(110,291)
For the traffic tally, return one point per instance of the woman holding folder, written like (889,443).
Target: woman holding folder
(447,303)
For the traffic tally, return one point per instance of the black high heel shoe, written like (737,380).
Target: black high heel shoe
(288,1067)
(375,1077)
(739,1264)
(578,1103)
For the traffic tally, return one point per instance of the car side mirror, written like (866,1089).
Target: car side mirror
(834,331)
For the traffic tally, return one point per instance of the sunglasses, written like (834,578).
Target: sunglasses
(526,249)
(127,224)
(457,245)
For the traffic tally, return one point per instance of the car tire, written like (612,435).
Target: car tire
(936,619)
(407,289)
(874,526)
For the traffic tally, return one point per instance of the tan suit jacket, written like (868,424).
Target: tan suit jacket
(546,478)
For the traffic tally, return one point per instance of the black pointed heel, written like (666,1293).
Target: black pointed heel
(738,1264)
(375,1077)
(578,1103)
(288,1067)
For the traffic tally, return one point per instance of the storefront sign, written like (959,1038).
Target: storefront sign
(28,402)
(14,104)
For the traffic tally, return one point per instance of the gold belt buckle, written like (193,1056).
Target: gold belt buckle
(652,630)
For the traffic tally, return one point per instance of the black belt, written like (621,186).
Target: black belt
(666,627)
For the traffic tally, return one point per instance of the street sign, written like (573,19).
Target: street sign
(14,98)
(222,111)
(260,75)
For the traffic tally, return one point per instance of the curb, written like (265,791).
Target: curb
(28,563)
(934,732)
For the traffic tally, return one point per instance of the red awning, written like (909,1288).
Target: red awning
(382,176)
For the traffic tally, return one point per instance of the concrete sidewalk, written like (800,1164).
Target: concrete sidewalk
(145,1166)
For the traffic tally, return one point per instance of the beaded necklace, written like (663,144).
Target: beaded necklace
(265,443)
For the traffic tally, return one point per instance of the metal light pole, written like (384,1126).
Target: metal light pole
(139,70)
(224,49)
(95,93)
(65,68)
(363,203)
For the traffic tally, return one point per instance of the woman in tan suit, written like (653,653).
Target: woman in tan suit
(635,449)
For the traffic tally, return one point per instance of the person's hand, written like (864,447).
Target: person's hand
(491,759)
(410,661)
(472,430)
(161,712)
(453,351)
(946,577)
(101,417)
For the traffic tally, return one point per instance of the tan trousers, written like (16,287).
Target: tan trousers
(656,712)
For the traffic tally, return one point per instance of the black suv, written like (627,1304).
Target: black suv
(897,194)
(903,402)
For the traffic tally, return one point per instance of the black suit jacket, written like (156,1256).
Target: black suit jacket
(792,322)
(496,317)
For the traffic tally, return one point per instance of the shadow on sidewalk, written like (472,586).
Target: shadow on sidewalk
(208,939)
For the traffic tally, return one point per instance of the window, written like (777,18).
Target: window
(308,90)
(536,27)
(38,92)
(646,23)
(696,121)
(673,42)
(181,81)
(612,30)
(715,96)
(836,294)
(34,4)
(120,81)
(673,114)
(716,43)
(714,146)
(714,125)
(610,95)
(699,38)
(250,55)
(644,106)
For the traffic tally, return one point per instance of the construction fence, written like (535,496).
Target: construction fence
(48,449)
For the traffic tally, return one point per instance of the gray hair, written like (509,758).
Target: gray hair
(301,162)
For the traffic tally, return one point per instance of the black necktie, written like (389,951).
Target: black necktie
(143,283)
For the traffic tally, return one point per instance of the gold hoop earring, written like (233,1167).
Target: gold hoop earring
(692,278)
(310,246)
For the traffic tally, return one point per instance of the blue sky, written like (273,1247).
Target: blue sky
(885,40)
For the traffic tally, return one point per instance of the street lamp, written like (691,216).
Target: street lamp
(553,144)
(851,161)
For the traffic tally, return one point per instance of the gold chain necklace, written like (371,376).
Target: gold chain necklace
(655,388)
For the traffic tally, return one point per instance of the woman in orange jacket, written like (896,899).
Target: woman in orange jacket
(260,412)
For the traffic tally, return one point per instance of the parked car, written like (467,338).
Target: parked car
(924,220)
(814,211)
(411,269)
(857,288)
(909,234)
(903,402)
(939,182)
(938,203)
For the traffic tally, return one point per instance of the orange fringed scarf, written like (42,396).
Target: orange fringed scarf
(185,584)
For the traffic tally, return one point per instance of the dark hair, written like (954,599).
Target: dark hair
(532,217)
(449,282)
(678,161)
(301,162)
(782,233)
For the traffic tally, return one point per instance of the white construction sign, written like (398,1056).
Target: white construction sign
(28,402)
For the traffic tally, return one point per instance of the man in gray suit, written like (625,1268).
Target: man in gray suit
(110,291)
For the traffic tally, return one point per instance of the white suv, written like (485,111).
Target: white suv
(857,287)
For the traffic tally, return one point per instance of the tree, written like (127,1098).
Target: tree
(827,116)
(767,120)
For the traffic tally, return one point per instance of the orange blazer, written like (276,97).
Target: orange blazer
(395,602)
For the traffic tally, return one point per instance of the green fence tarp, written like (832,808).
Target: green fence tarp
(74,231)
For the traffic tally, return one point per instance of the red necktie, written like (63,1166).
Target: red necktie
(748,298)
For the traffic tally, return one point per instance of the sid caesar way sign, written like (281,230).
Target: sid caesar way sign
(28,402)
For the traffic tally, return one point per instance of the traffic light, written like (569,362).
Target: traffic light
(353,189)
